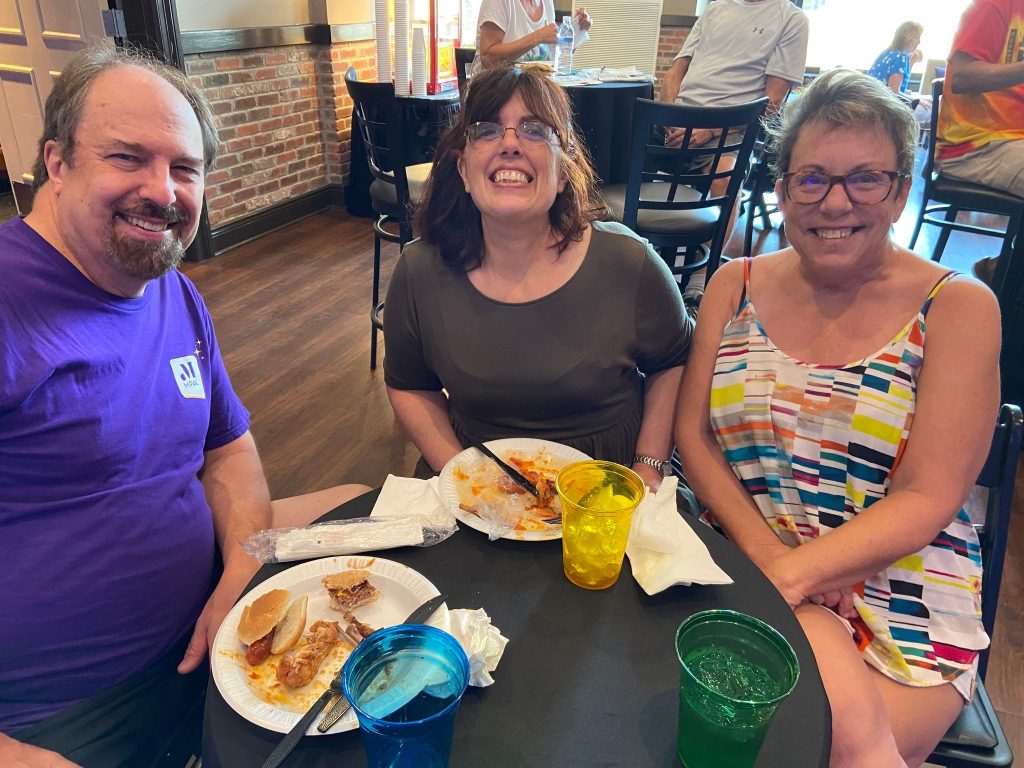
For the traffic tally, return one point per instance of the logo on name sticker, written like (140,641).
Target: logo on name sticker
(188,378)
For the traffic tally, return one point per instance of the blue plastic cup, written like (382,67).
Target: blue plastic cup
(405,684)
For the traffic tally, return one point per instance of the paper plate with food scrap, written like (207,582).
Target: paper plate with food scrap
(282,644)
(483,496)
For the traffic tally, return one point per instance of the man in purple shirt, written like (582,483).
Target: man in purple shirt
(126,460)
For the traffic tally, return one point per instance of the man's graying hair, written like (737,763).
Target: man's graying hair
(844,97)
(66,102)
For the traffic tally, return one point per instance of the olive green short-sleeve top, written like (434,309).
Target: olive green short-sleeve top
(565,367)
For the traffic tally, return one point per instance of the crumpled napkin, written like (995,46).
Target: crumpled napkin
(663,550)
(482,641)
(408,512)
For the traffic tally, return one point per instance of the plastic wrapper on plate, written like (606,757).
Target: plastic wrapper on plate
(343,537)
(499,516)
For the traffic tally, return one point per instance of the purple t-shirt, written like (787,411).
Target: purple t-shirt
(106,407)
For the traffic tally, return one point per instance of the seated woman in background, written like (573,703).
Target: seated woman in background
(537,319)
(893,65)
(508,31)
(845,481)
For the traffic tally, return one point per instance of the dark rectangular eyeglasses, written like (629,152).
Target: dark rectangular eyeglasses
(529,129)
(862,187)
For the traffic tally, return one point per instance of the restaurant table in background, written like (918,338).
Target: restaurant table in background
(604,116)
(426,118)
(587,678)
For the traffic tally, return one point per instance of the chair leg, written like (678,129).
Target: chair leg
(766,219)
(940,246)
(373,304)
(748,230)
(918,223)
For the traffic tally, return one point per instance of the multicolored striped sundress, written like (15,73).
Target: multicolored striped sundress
(814,445)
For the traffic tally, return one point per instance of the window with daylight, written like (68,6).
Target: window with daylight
(851,33)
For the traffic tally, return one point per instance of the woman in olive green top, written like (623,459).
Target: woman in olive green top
(537,319)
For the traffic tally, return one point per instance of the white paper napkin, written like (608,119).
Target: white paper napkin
(663,550)
(579,36)
(404,497)
(481,640)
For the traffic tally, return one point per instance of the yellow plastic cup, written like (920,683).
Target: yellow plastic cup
(598,499)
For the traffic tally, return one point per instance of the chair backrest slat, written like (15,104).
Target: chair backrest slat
(929,160)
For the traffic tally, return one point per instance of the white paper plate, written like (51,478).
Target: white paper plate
(450,494)
(402,590)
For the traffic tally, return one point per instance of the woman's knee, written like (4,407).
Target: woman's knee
(861,731)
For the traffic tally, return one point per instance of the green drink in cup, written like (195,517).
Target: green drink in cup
(735,671)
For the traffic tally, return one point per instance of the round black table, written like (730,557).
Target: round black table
(604,116)
(587,678)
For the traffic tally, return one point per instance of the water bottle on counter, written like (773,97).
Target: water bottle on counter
(563,51)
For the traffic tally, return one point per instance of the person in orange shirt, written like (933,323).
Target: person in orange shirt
(981,124)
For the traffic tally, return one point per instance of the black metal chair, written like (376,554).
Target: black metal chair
(951,196)
(758,183)
(674,207)
(976,738)
(396,185)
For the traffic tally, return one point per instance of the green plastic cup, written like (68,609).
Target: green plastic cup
(735,671)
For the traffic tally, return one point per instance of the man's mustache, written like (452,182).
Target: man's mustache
(172,214)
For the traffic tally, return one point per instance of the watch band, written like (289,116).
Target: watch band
(658,464)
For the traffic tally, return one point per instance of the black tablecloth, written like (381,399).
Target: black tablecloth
(587,679)
(604,116)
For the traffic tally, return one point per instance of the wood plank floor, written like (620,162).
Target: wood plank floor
(292,316)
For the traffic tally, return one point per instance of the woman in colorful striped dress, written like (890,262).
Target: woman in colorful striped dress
(844,481)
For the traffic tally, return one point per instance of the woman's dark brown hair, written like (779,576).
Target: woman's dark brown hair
(446,216)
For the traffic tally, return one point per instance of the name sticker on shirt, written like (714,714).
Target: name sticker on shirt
(188,378)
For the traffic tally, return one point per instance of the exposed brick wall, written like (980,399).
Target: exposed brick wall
(336,106)
(670,41)
(283,116)
(267,110)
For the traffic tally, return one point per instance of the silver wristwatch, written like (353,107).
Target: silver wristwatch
(663,467)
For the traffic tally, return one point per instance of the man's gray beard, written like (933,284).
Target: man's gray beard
(145,260)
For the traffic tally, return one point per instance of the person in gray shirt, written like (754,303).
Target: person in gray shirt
(738,51)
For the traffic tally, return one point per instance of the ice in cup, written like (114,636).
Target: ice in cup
(598,499)
(736,670)
(405,684)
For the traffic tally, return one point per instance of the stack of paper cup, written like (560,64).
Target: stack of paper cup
(419,63)
(401,47)
(382,32)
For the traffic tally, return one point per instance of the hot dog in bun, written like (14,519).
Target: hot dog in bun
(272,623)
